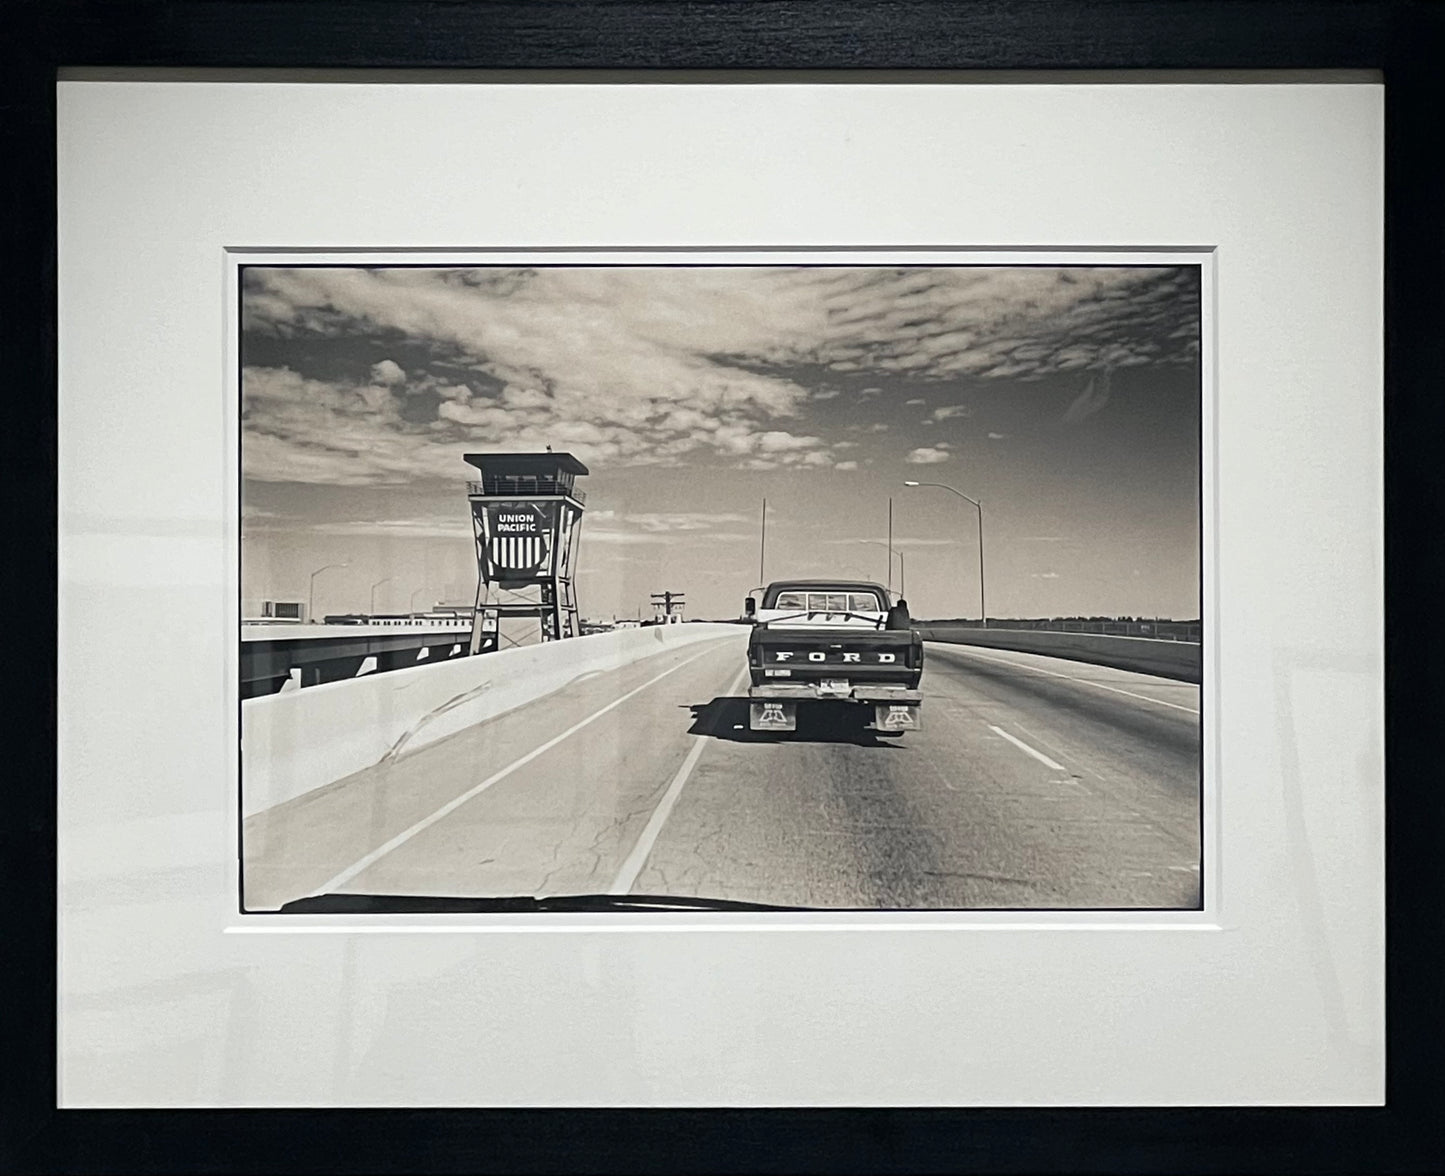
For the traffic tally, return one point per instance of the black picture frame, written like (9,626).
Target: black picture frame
(1404,40)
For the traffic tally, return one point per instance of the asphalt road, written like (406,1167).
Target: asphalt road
(1035,783)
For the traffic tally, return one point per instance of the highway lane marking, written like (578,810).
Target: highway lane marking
(1037,738)
(632,867)
(1003,661)
(1022,746)
(452,805)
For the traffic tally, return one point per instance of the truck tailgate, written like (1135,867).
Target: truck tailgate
(880,655)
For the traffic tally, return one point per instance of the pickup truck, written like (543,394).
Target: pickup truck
(832,641)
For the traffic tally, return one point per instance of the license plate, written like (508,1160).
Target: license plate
(773,716)
(833,686)
(897,718)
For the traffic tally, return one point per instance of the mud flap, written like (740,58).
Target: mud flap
(889,716)
(773,716)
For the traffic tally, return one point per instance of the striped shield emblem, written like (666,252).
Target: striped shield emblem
(518,553)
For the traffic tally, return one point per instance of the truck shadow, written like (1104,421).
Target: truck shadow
(821,722)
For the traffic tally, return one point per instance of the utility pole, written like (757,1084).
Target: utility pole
(763,544)
(890,543)
(665,602)
(902,568)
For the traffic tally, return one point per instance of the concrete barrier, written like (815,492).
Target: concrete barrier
(301,740)
(1180,660)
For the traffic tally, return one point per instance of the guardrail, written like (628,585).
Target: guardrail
(1166,658)
(301,740)
(1159,630)
(524,487)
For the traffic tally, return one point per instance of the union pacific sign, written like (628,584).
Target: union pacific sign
(519,536)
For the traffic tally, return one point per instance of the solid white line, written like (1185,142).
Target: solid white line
(1022,746)
(632,867)
(452,805)
(1003,661)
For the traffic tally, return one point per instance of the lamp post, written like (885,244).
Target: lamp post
(902,567)
(374,587)
(411,604)
(982,609)
(311,592)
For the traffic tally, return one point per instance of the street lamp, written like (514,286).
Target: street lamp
(374,587)
(311,592)
(411,604)
(902,567)
(982,610)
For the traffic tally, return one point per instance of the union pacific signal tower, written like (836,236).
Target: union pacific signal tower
(526,519)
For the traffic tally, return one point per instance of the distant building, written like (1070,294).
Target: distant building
(435,619)
(283,610)
(462,612)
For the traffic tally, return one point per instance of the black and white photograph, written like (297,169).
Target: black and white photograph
(695,587)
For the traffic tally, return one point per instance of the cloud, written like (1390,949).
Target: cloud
(303,430)
(1020,322)
(997,436)
(602,535)
(641,527)
(949,411)
(637,365)
(916,400)
(928,455)
(846,465)
(387,372)
(620,367)
(682,521)
(434,527)
(776,441)
(1044,575)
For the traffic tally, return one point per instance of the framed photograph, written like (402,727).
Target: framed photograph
(741,593)
(705,468)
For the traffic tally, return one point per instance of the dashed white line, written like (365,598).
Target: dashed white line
(452,805)
(1022,746)
(1003,661)
(632,867)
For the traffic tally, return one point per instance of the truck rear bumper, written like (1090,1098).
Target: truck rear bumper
(775,707)
(863,692)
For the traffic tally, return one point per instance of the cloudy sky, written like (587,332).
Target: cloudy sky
(1067,400)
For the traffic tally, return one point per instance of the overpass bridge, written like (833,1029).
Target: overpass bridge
(1060,777)
(276,657)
